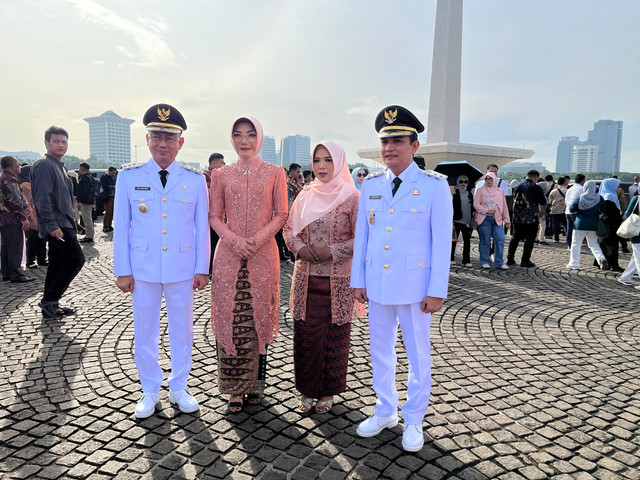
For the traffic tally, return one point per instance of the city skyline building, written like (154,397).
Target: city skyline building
(564,154)
(584,158)
(607,135)
(268,151)
(110,137)
(295,149)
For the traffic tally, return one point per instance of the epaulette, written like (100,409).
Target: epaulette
(434,174)
(374,175)
(191,169)
(129,166)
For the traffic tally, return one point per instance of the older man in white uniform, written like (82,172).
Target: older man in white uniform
(161,246)
(401,266)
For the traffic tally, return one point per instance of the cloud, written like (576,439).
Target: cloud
(152,50)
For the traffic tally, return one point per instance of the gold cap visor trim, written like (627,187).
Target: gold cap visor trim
(399,131)
(163,127)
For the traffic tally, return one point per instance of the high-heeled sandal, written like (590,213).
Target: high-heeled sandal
(323,406)
(235,406)
(305,404)
(253,398)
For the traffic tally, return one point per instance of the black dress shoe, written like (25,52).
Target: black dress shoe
(527,264)
(66,311)
(5,279)
(511,262)
(86,240)
(23,279)
(50,310)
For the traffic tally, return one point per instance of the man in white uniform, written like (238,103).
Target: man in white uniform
(401,266)
(161,246)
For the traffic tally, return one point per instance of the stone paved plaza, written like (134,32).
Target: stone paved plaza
(536,374)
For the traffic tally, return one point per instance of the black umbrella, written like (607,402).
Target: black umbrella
(454,169)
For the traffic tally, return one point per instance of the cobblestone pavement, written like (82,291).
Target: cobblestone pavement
(535,375)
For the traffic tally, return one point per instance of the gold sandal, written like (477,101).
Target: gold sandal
(305,404)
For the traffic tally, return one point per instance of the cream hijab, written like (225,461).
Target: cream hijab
(259,135)
(318,199)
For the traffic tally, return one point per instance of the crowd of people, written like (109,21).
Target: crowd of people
(382,239)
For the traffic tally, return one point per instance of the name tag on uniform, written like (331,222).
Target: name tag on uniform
(143,188)
(375,197)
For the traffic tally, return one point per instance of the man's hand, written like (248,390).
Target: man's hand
(360,294)
(125,283)
(431,304)
(323,253)
(57,233)
(309,254)
(26,224)
(200,281)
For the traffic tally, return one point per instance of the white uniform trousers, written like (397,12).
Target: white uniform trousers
(147,298)
(576,244)
(634,262)
(383,330)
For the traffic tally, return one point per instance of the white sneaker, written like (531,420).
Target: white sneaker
(146,405)
(412,438)
(485,265)
(468,265)
(504,267)
(186,403)
(624,282)
(373,425)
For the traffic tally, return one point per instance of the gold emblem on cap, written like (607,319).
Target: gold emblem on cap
(163,113)
(143,208)
(416,192)
(390,116)
(184,187)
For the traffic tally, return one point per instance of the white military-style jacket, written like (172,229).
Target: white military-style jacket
(160,234)
(402,244)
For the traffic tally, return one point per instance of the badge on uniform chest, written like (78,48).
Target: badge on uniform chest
(143,208)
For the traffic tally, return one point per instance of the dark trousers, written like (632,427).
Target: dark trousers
(65,261)
(282,246)
(213,237)
(11,251)
(526,232)
(557,220)
(466,239)
(609,246)
(108,213)
(36,248)
(571,217)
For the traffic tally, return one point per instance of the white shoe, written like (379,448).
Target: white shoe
(186,403)
(468,265)
(624,282)
(504,267)
(412,438)
(146,405)
(571,267)
(373,425)
(485,265)
(637,287)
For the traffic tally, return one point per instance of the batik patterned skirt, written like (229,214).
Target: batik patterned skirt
(245,372)
(320,348)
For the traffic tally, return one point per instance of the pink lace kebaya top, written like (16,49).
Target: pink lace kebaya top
(339,228)
(255,207)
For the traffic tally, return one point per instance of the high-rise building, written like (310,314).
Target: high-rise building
(607,134)
(110,137)
(268,151)
(585,157)
(564,154)
(295,149)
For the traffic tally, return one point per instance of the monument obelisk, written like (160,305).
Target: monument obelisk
(443,126)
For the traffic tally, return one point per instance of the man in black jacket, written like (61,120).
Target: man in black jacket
(528,198)
(53,200)
(85,197)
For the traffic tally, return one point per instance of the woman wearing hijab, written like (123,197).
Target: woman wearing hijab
(358,175)
(492,211)
(36,246)
(612,218)
(320,232)
(462,212)
(634,263)
(587,208)
(251,196)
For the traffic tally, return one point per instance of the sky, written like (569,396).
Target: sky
(532,71)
